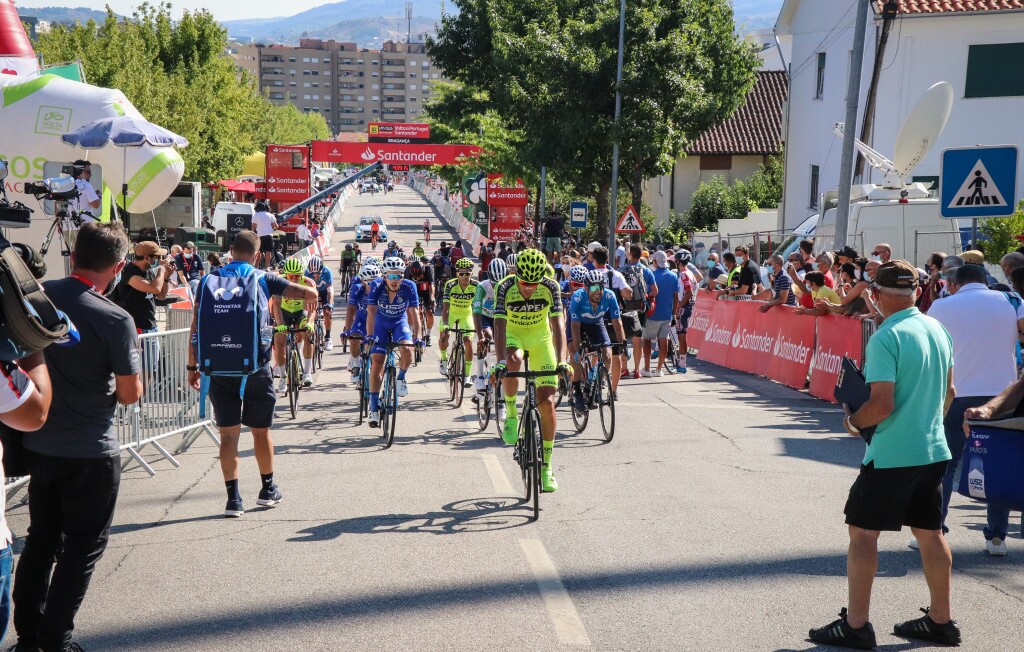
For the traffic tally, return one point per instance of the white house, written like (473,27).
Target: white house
(976,46)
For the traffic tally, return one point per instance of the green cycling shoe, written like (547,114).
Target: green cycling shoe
(547,480)
(510,432)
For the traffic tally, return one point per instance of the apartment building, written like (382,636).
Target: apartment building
(348,85)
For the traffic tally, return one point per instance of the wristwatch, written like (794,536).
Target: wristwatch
(849,426)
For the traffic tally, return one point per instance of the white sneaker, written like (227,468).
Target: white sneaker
(913,543)
(282,386)
(307,380)
(329,346)
(402,388)
(645,373)
(444,368)
(656,373)
(374,419)
(996,547)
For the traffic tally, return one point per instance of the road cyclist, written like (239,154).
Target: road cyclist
(390,317)
(483,317)
(293,314)
(393,250)
(426,229)
(528,318)
(423,276)
(323,280)
(589,308)
(347,268)
(374,234)
(355,316)
(418,251)
(457,306)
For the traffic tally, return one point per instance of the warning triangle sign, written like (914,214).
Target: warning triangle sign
(630,222)
(978,189)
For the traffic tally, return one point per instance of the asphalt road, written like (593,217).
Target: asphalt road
(713,521)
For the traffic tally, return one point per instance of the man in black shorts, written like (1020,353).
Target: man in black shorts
(255,409)
(910,372)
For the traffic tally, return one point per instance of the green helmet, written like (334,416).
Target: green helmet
(530,266)
(292,266)
(464,263)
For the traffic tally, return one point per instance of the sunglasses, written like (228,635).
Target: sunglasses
(465,273)
(293,277)
(394,277)
(596,288)
(528,285)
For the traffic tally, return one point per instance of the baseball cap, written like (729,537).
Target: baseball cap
(592,246)
(848,252)
(661,259)
(149,248)
(897,274)
(973,257)
(190,245)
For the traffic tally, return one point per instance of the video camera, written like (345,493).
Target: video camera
(16,215)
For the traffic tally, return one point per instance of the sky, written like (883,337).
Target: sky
(221,9)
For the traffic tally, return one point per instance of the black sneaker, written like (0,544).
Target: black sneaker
(926,629)
(234,508)
(840,634)
(269,496)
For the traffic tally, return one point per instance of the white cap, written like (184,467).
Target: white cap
(661,259)
(592,246)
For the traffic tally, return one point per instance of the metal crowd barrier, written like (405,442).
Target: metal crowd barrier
(169,405)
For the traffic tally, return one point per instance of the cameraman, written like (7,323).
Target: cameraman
(87,200)
(74,459)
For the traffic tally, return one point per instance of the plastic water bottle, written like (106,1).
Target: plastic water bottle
(976,478)
(592,374)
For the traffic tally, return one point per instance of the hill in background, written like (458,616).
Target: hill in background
(69,15)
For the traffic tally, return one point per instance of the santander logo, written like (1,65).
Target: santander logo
(736,339)
(368,155)
(8,71)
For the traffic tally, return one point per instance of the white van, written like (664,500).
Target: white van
(913,229)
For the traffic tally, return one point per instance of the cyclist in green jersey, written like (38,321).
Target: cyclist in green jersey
(348,259)
(457,306)
(418,251)
(293,313)
(528,317)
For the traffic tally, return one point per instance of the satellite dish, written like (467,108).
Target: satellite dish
(922,128)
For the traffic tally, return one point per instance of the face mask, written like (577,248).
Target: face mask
(155,266)
(877,258)
(740,260)
(814,264)
(870,278)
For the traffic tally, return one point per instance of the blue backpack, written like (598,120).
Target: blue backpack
(233,330)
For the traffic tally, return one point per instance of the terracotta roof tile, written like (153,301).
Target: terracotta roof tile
(756,127)
(951,6)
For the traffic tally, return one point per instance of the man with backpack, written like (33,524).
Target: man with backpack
(231,337)
(617,284)
(634,309)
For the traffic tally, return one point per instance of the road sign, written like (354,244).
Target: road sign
(630,222)
(978,182)
(578,211)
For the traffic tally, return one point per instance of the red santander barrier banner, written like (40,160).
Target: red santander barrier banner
(838,336)
(287,173)
(700,318)
(777,344)
(329,151)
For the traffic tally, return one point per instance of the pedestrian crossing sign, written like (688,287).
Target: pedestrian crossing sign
(630,222)
(978,182)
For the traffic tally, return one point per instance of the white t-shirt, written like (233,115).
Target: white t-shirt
(263,223)
(983,326)
(620,256)
(303,232)
(15,389)
(618,280)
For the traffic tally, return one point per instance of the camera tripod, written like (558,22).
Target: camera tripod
(64,212)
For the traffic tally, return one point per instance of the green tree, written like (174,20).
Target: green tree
(1002,234)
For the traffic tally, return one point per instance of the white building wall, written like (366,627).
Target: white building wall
(688,175)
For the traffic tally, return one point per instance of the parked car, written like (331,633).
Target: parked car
(363,229)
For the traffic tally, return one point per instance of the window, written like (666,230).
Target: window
(315,60)
(375,74)
(316,97)
(306,73)
(360,62)
(413,75)
(291,72)
(375,87)
(327,97)
(426,65)
(434,76)
(815,171)
(305,97)
(305,59)
(374,62)
(305,84)
(360,98)
(291,84)
(316,85)
(412,63)
(327,73)
(375,98)
(819,86)
(412,99)
(995,70)
(412,87)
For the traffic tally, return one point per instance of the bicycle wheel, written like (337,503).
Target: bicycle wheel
(561,393)
(536,457)
(294,378)
(605,402)
(364,393)
(389,407)
(318,347)
(483,409)
(459,387)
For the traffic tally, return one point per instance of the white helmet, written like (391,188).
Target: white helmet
(371,260)
(497,269)
(392,264)
(596,277)
(369,273)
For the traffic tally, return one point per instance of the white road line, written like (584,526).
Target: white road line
(499,480)
(560,608)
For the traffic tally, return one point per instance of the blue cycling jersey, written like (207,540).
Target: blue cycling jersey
(581,310)
(566,296)
(394,311)
(325,282)
(359,295)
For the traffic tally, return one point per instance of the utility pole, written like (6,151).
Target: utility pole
(850,133)
(614,219)
(408,19)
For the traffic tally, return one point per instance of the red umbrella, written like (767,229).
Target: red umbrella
(229,183)
(245,186)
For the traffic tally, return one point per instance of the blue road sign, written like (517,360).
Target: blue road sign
(978,182)
(578,211)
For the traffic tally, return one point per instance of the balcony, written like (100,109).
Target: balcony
(397,63)
(394,87)
(273,71)
(393,75)
(272,59)
(394,102)
(394,112)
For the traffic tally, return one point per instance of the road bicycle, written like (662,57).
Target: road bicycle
(389,393)
(426,235)
(293,368)
(528,451)
(485,402)
(457,364)
(319,339)
(597,391)
(363,380)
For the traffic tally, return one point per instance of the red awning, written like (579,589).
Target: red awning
(244,186)
(228,183)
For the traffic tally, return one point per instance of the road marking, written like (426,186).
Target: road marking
(499,480)
(560,608)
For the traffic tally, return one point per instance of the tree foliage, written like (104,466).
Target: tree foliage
(546,69)
(1002,234)
(178,76)
(716,199)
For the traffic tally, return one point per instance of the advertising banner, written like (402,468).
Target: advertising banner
(505,221)
(793,348)
(391,132)
(287,173)
(474,206)
(838,336)
(700,319)
(329,151)
(502,195)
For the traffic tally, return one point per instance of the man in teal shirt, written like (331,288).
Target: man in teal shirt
(910,372)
